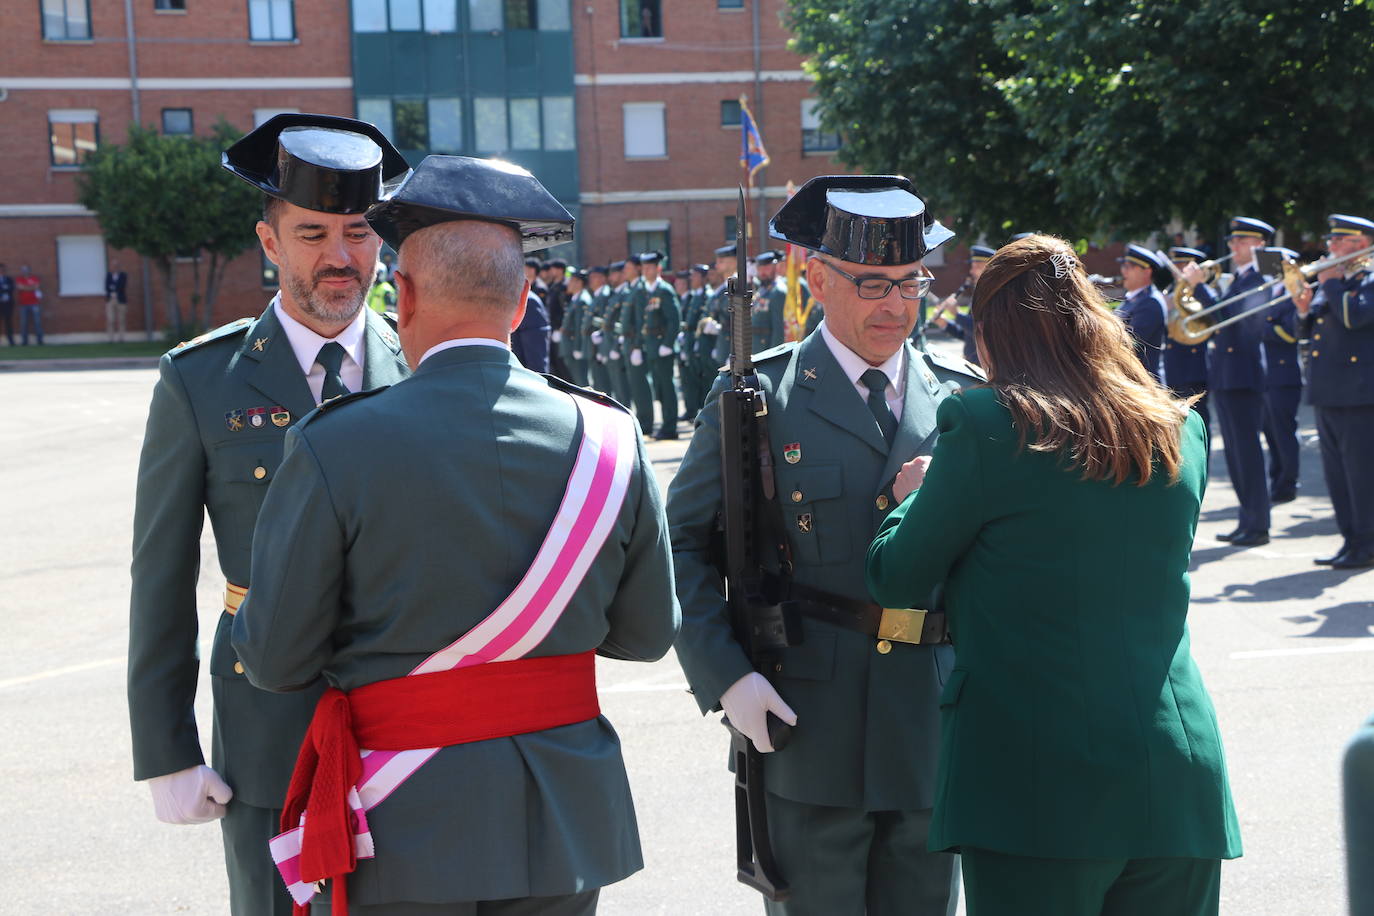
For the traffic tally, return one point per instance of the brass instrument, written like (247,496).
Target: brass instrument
(1295,279)
(1186,307)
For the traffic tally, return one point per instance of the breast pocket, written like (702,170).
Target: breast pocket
(813,513)
(240,473)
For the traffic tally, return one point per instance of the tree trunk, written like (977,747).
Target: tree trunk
(167,267)
(213,277)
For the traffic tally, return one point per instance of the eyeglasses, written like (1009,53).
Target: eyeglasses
(878,287)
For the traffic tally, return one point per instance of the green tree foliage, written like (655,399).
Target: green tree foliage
(167,198)
(1113,116)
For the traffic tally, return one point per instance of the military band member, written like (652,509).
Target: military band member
(598,329)
(660,322)
(770,301)
(849,797)
(617,361)
(1236,377)
(1144,310)
(1185,365)
(219,415)
(1340,386)
(524,807)
(572,333)
(958,305)
(1282,396)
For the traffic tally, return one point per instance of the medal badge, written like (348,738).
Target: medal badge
(280,416)
(791,452)
(804,523)
(809,374)
(234,419)
(257,417)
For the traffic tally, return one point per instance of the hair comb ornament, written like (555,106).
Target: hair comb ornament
(1062,263)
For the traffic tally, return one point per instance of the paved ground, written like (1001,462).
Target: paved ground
(1282,644)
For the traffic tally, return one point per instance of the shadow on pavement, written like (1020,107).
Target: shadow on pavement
(1343,621)
(1308,584)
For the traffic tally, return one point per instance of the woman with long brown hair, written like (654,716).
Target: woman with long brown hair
(1081,769)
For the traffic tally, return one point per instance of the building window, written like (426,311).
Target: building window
(405,15)
(729,113)
(814,139)
(524,124)
(648,235)
(521,14)
(640,19)
(729,4)
(411,123)
(73,135)
(263,115)
(484,15)
(170,6)
(445,125)
(177,121)
(271,20)
(80,265)
(489,125)
(645,137)
(377,112)
(441,15)
(730,228)
(66,20)
(560,132)
(369,15)
(554,16)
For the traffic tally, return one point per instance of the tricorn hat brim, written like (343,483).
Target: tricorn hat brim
(863,219)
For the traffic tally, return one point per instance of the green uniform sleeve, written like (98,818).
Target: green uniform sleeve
(282,632)
(920,540)
(169,512)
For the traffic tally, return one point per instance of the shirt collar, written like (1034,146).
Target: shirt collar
(306,344)
(464,342)
(853,365)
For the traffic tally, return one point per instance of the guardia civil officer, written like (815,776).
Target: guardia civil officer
(219,415)
(574,319)
(610,344)
(1236,377)
(514,482)
(596,335)
(770,302)
(849,797)
(1144,310)
(1185,365)
(660,321)
(1282,395)
(1340,387)
(717,330)
(695,382)
(633,308)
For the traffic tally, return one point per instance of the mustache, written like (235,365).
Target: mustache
(335,273)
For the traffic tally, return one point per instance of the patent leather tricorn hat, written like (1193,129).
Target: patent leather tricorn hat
(444,189)
(863,219)
(319,162)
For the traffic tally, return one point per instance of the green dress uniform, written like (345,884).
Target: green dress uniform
(571,332)
(360,583)
(766,318)
(632,313)
(1075,725)
(598,340)
(219,415)
(689,370)
(661,320)
(617,357)
(859,771)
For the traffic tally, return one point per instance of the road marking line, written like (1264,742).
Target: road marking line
(1367,646)
(58,672)
(642,688)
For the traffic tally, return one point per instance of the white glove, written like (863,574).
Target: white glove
(596,337)
(712,326)
(556,336)
(747,704)
(577,354)
(194,795)
(615,354)
(664,351)
(636,357)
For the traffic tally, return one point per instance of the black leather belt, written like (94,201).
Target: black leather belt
(887,625)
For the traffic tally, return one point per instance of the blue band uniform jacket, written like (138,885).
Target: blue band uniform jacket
(1144,312)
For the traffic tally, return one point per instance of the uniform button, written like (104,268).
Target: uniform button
(1316,353)
(1354,359)
(1229,349)
(884,647)
(1316,337)
(259,472)
(238,667)
(1321,321)
(1283,362)
(797,496)
(882,502)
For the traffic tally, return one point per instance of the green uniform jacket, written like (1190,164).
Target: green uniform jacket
(603,320)
(632,313)
(662,317)
(193,461)
(360,581)
(867,723)
(767,318)
(1075,724)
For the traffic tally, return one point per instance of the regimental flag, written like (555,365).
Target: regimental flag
(752,155)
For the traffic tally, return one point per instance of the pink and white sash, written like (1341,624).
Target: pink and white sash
(591,504)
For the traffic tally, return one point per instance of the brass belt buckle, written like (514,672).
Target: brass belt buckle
(900,625)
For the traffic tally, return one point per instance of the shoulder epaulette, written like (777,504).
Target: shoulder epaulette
(578,391)
(219,333)
(334,404)
(782,349)
(959,367)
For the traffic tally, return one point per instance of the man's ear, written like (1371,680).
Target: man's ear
(520,309)
(816,278)
(267,236)
(405,298)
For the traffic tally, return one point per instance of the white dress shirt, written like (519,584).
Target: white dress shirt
(306,344)
(855,365)
(464,342)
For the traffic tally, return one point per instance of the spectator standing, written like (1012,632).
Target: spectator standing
(116,302)
(7,303)
(29,290)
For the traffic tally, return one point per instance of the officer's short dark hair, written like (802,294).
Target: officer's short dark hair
(271,209)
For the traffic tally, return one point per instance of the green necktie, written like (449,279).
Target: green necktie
(331,359)
(876,383)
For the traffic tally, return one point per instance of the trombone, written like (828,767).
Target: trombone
(1294,278)
(1186,306)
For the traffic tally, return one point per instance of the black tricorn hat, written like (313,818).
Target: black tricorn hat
(863,219)
(319,162)
(443,189)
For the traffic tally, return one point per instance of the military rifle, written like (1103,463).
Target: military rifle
(754,594)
